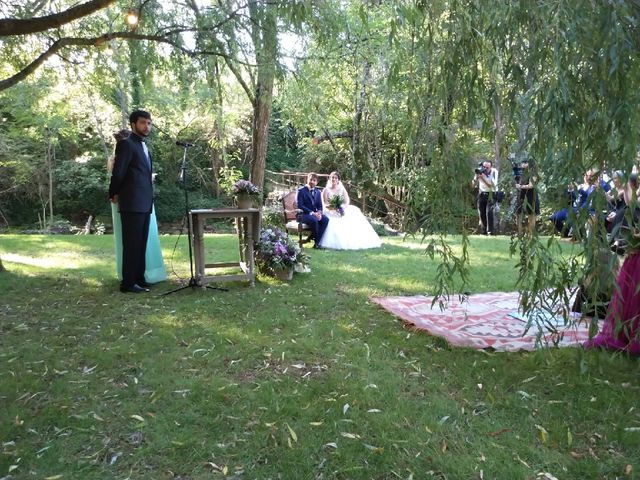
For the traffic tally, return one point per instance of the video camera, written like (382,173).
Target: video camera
(517,170)
(516,166)
(480,169)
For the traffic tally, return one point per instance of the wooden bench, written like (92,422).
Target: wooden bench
(291,215)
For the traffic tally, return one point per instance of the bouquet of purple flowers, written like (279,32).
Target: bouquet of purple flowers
(245,187)
(335,203)
(276,251)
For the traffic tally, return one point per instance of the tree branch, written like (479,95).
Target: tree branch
(95,41)
(19,26)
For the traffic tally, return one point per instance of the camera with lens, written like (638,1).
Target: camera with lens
(480,169)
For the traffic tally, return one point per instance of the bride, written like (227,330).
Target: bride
(348,228)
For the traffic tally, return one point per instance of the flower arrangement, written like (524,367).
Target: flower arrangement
(245,187)
(335,203)
(276,251)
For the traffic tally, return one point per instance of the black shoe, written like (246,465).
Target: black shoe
(143,284)
(135,288)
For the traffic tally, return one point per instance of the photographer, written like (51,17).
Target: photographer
(528,201)
(487,181)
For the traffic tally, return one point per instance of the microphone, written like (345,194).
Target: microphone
(184,144)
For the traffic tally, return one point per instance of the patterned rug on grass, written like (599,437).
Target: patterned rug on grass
(486,320)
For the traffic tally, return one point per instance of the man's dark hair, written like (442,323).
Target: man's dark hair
(136,114)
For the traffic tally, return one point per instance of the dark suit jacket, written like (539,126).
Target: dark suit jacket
(131,176)
(309,200)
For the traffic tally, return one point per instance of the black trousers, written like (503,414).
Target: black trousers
(135,230)
(485,212)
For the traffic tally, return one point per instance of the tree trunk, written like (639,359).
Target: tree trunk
(2,269)
(265,41)
(361,98)
(498,138)
(218,153)
(51,157)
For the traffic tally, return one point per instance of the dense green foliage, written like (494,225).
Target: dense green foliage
(405,95)
(307,379)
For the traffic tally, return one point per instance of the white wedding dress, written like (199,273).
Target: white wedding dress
(351,231)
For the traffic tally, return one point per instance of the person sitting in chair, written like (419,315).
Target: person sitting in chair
(310,202)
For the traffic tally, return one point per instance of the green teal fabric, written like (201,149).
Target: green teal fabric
(155,270)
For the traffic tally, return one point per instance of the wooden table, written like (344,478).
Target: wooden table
(248,227)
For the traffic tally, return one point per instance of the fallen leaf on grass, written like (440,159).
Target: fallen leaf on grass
(544,435)
(137,417)
(546,476)
(499,432)
(224,469)
(316,424)
(292,433)
(374,410)
(345,408)
(349,435)
(628,470)
(54,477)
(443,419)
(373,448)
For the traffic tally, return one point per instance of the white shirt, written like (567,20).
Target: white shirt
(493,176)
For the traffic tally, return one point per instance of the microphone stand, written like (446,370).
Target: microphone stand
(183,178)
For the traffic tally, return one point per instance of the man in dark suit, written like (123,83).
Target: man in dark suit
(310,202)
(131,187)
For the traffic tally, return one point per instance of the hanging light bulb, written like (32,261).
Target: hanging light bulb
(131,17)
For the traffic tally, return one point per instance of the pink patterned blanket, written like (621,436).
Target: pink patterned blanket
(486,320)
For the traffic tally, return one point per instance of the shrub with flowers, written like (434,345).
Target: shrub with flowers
(245,187)
(276,251)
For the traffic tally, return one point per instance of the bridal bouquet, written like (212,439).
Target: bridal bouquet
(335,203)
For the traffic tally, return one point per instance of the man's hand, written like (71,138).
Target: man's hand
(318,215)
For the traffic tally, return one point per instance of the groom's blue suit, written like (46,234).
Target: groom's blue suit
(310,201)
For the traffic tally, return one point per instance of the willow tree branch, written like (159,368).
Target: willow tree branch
(19,26)
(96,41)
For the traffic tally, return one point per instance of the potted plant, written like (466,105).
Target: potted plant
(277,254)
(245,193)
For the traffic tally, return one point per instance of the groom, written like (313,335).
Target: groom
(132,188)
(310,202)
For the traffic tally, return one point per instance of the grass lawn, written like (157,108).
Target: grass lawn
(299,380)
